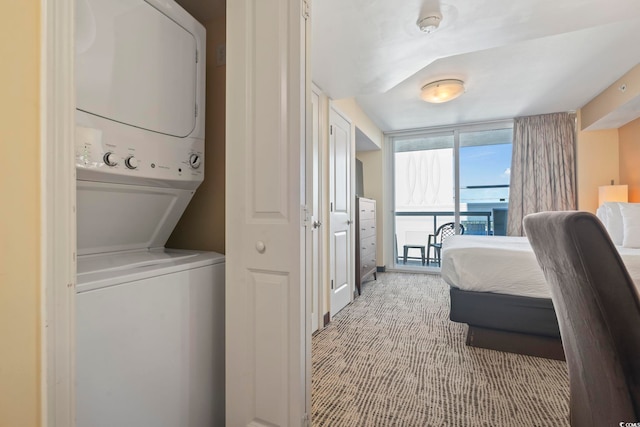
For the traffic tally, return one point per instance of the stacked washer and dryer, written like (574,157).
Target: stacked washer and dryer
(150,320)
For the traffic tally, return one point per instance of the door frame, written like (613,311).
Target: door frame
(57,216)
(318,294)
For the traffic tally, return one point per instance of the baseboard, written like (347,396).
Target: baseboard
(381,268)
(326,319)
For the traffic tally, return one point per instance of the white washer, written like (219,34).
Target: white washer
(150,320)
(150,339)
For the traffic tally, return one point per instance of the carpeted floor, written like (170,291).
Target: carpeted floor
(393,358)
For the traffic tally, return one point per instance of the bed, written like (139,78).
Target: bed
(498,289)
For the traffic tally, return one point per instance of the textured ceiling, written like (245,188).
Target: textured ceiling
(517,58)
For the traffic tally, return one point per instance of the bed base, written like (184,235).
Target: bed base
(513,342)
(514,324)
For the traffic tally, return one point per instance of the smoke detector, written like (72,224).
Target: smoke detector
(429,22)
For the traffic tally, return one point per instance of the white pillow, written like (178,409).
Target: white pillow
(614,222)
(631,220)
(601,213)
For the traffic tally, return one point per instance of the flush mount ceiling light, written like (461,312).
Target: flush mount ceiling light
(442,90)
(429,22)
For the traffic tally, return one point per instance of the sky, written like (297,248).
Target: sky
(485,165)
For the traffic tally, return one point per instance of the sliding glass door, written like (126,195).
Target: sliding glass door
(424,193)
(448,181)
(485,162)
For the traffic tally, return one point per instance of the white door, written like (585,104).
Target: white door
(316,209)
(341,282)
(266,316)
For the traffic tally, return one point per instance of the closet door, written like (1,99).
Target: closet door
(266,317)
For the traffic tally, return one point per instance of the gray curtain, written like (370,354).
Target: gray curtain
(543,176)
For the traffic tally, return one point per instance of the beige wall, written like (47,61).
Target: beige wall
(20,215)
(352,110)
(202,225)
(630,158)
(596,164)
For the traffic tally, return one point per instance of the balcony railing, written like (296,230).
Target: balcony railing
(473,229)
(415,233)
(485,214)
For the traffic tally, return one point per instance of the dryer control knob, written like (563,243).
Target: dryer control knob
(195,161)
(131,162)
(110,159)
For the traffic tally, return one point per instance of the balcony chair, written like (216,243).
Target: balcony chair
(598,309)
(435,240)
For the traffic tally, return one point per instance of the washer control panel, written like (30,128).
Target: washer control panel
(99,158)
(110,159)
(131,162)
(195,160)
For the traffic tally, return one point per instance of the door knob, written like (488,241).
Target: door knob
(349,222)
(316,224)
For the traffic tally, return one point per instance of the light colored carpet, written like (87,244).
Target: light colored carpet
(393,358)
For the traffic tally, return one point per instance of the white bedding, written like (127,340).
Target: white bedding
(505,265)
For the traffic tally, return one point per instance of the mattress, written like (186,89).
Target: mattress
(505,265)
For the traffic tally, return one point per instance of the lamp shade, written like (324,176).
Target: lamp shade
(613,193)
(442,91)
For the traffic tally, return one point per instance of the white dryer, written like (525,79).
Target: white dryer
(150,320)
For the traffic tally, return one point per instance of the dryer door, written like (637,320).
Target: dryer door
(136,66)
